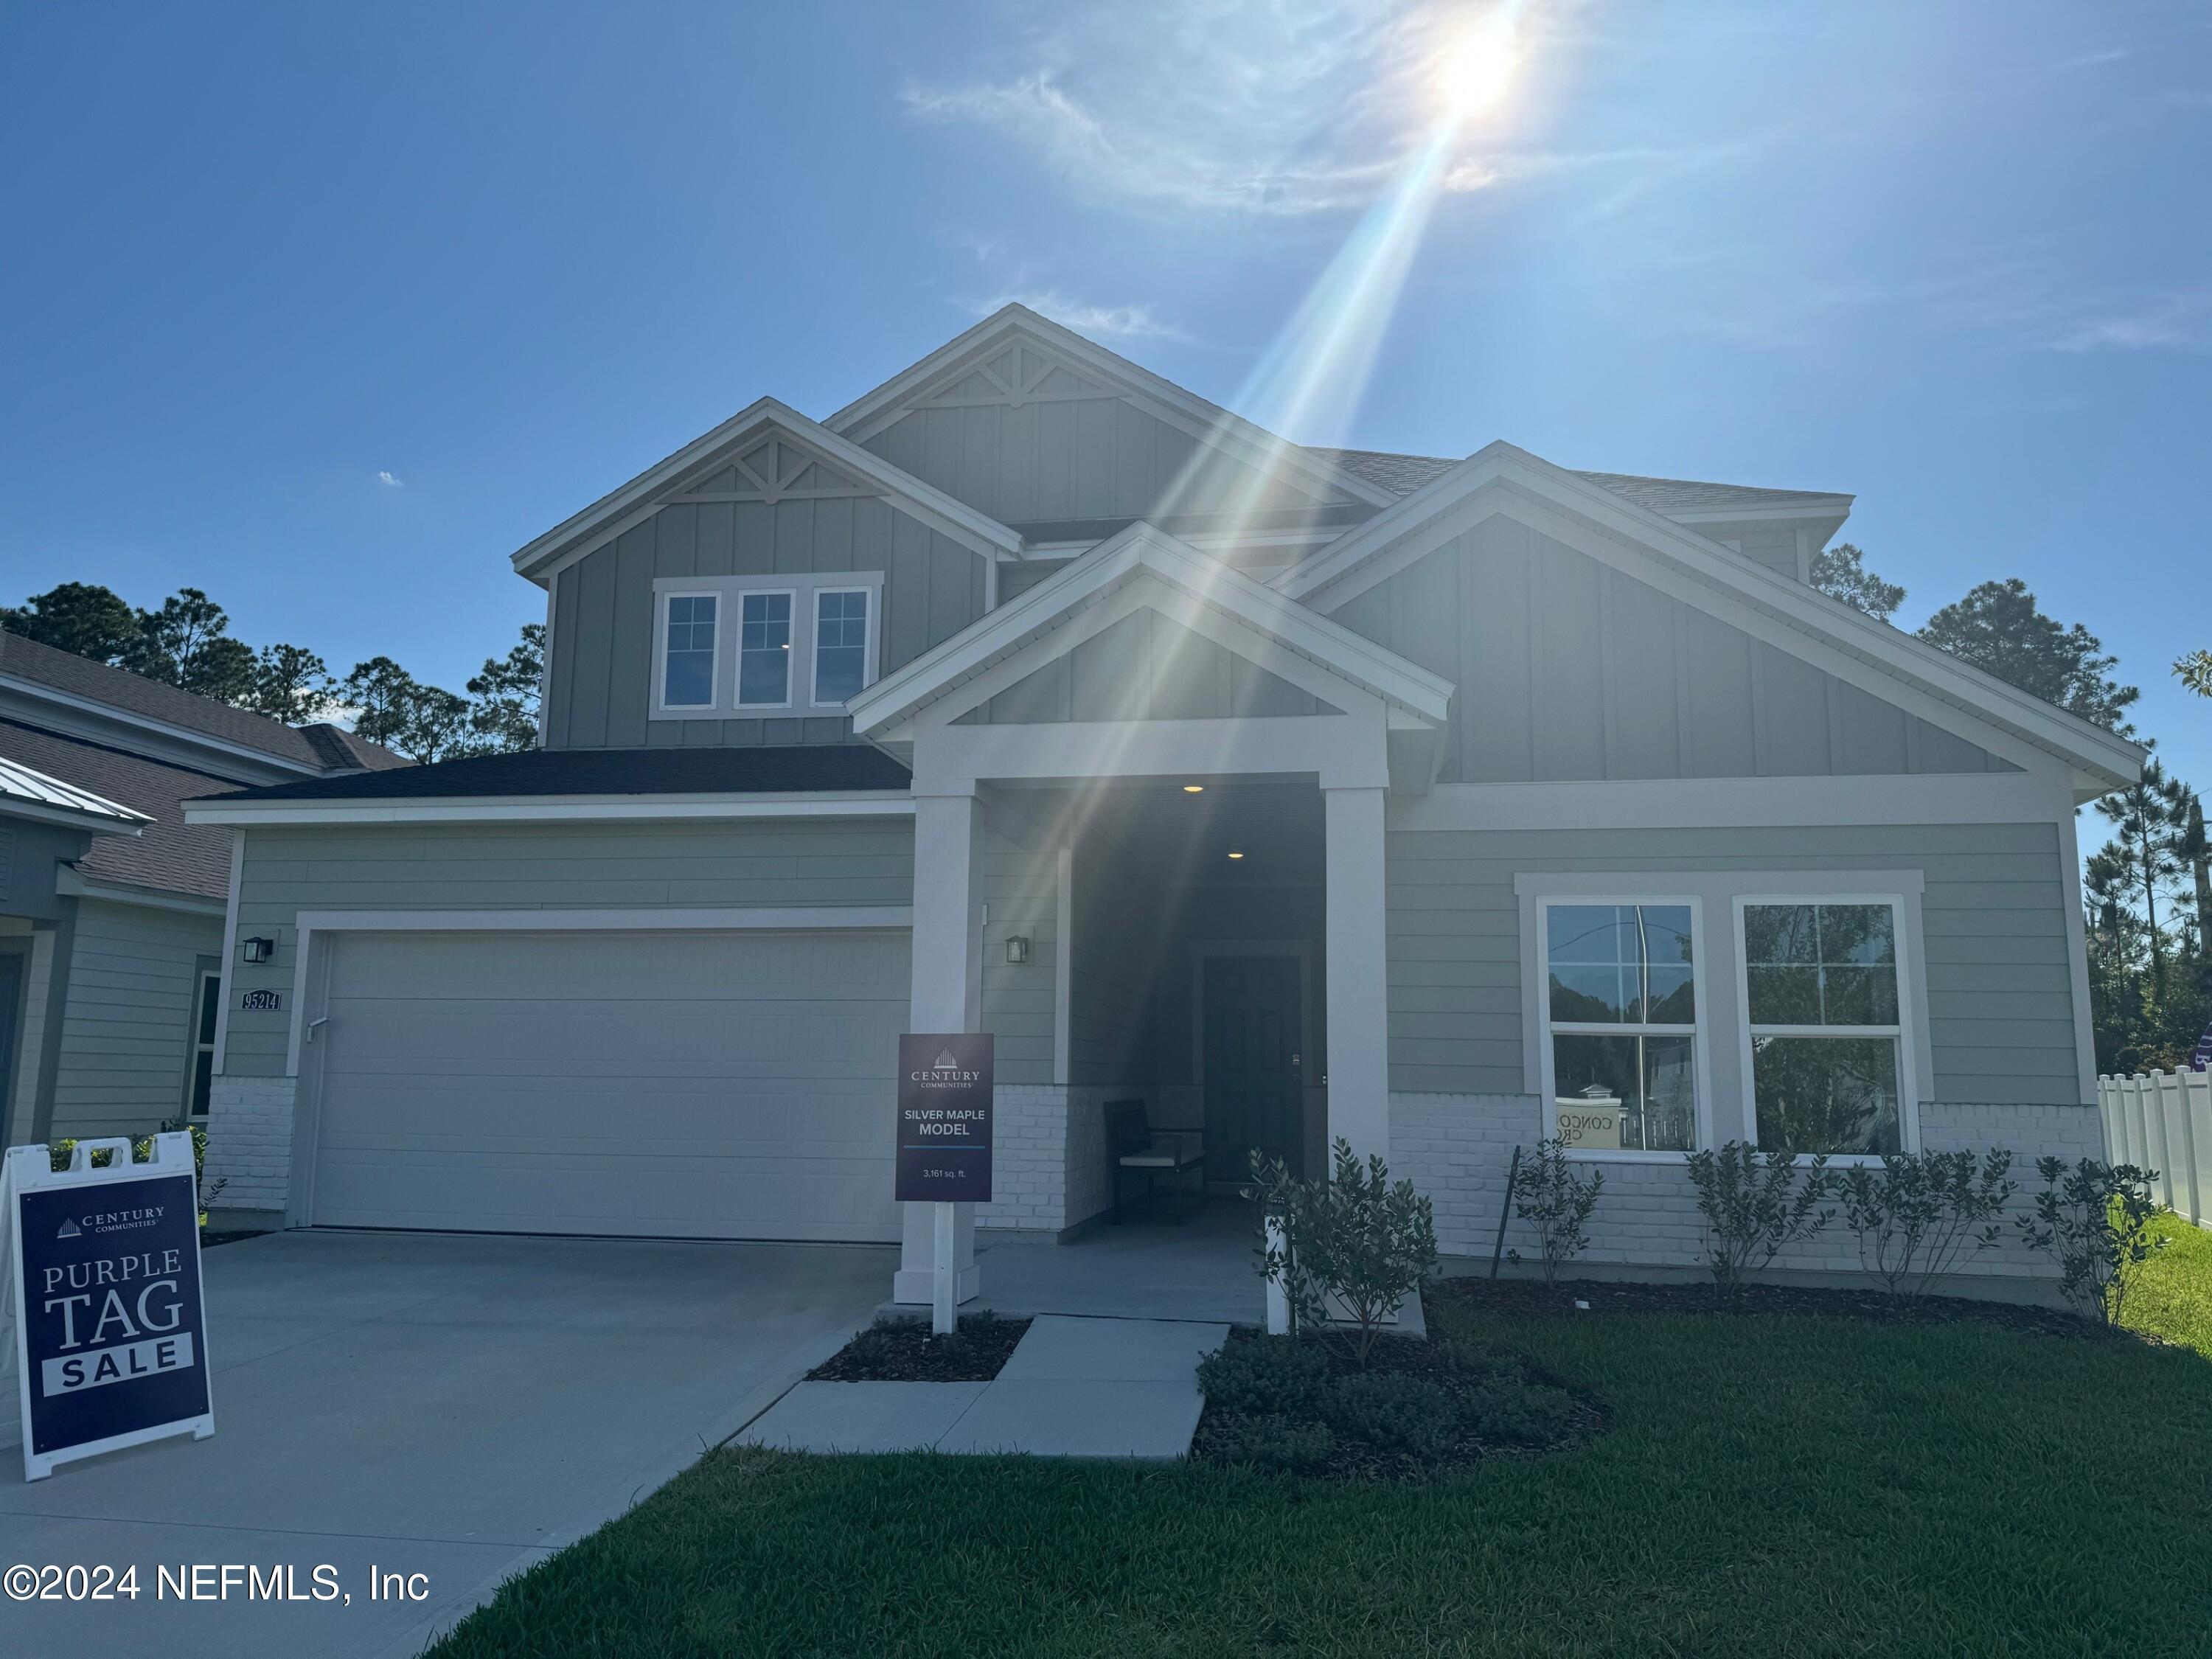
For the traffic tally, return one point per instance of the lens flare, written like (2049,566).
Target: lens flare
(1476,70)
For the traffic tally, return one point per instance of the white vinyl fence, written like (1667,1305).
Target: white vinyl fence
(2162,1120)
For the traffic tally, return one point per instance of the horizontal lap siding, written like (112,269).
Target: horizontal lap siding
(126,1037)
(544,866)
(1999,996)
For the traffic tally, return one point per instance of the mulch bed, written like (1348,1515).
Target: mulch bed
(903,1351)
(1531,1299)
(1469,1374)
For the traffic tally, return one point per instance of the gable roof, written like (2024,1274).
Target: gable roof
(1713,573)
(1404,474)
(1182,408)
(1144,549)
(644,495)
(63,676)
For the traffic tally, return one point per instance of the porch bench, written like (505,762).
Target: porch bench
(1133,1148)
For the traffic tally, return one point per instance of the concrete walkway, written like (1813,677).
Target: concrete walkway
(1072,1387)
(454,1406)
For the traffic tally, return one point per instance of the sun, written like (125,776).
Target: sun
(1475,68)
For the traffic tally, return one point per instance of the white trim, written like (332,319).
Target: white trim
(585,533)
(96,823)
(1719,803)
(740,706)
(1912,1079)
(1185,410)
(1143,548)
(200,977)
(229,948)
(1879,658)
(886,918)
(663,598)
(70,884)
(545,662)
(2078,955)
(873,593)
(42,692)
(1698,1031)
(1815,507)
(1063,963)
(560,809)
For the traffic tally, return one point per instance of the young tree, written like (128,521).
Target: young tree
(1998,628)
(1840,574)
(82,618)
(505,716)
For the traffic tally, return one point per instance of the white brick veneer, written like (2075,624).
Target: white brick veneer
(1455,1148)
(1048,1159)
(250,1140)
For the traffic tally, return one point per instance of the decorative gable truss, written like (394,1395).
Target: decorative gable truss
(778,469)
(1022,373)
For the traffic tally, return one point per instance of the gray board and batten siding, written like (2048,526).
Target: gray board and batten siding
(1569,670)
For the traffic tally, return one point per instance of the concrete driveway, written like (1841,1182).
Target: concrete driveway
(444,1405)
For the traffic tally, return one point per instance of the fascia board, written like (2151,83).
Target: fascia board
(606,518)
(553,808)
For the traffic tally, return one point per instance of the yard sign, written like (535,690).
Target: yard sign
(104,1276)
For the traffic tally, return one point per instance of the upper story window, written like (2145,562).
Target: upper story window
(1620,1017)
(763,650)
(1826,1026)
(840,643)
(687,669)
(795,645)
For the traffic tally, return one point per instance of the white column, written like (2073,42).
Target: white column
(1358,976)
(947,996)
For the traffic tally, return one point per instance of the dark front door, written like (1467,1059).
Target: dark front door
(1253,1069)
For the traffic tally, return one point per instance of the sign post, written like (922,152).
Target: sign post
(945,1096)
(103,1274)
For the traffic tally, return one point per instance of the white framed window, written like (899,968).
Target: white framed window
(844,638)
(688,674)
(1827,1001)
(207,1004)
(1619,1005)
(764,650)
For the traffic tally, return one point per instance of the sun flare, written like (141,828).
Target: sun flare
(1475,69)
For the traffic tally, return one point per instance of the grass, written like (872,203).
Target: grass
(1771,1487)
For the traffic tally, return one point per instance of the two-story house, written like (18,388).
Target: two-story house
(1439,805)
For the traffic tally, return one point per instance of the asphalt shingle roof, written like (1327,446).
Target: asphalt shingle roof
(1404,474)
(170,854)
(795,768)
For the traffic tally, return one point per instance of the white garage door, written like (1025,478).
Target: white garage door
(673,1083)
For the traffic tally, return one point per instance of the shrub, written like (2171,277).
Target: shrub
(1506,1405)
(1752,1204)
(1920,1214)
(1393,1411)
(1556,1201)
(2095,1219)
(1356,1237)
(1269,1442)
(1264,1374)
(142,1151)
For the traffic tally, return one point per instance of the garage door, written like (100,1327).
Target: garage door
(671,1084)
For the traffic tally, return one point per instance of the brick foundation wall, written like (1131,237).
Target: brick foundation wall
(1455,1148)
(250,1140)
(1048,1160)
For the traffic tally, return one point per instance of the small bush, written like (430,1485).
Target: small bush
(1356,1237)
(1270,1443)
(1263,1374)
(2095,1219)
(1506,1405)
(142,1151)
(1557,1201)
(1752,1204)
(1393,1411)
(1922,1212)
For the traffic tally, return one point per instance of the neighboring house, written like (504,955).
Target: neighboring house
(110,905)
(1301,794)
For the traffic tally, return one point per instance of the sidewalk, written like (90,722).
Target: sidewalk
(1073,1388)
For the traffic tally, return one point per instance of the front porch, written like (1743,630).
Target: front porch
(1150,1267)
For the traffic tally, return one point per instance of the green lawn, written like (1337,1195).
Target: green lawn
(1770,1488)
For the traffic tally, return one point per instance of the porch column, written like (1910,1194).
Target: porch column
(1357,973)
(947,996)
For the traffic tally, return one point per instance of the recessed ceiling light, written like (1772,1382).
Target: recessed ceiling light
(1236,852)
(1194,789)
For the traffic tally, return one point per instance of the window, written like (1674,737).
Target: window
(209,1003)
(840,643)
(764,650)
(687,674)
(1821,988)
(1621,1012)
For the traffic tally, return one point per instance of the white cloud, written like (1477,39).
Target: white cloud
(1130,322)
(390,482)
(2180,320)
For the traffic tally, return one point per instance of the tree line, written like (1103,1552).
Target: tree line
(187,643)
(2146,892)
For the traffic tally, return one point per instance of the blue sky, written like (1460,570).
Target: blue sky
(327,309)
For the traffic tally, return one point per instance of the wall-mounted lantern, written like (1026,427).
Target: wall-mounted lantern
(257,950)
(1017,950)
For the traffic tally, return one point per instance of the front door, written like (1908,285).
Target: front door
(1253,1069)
